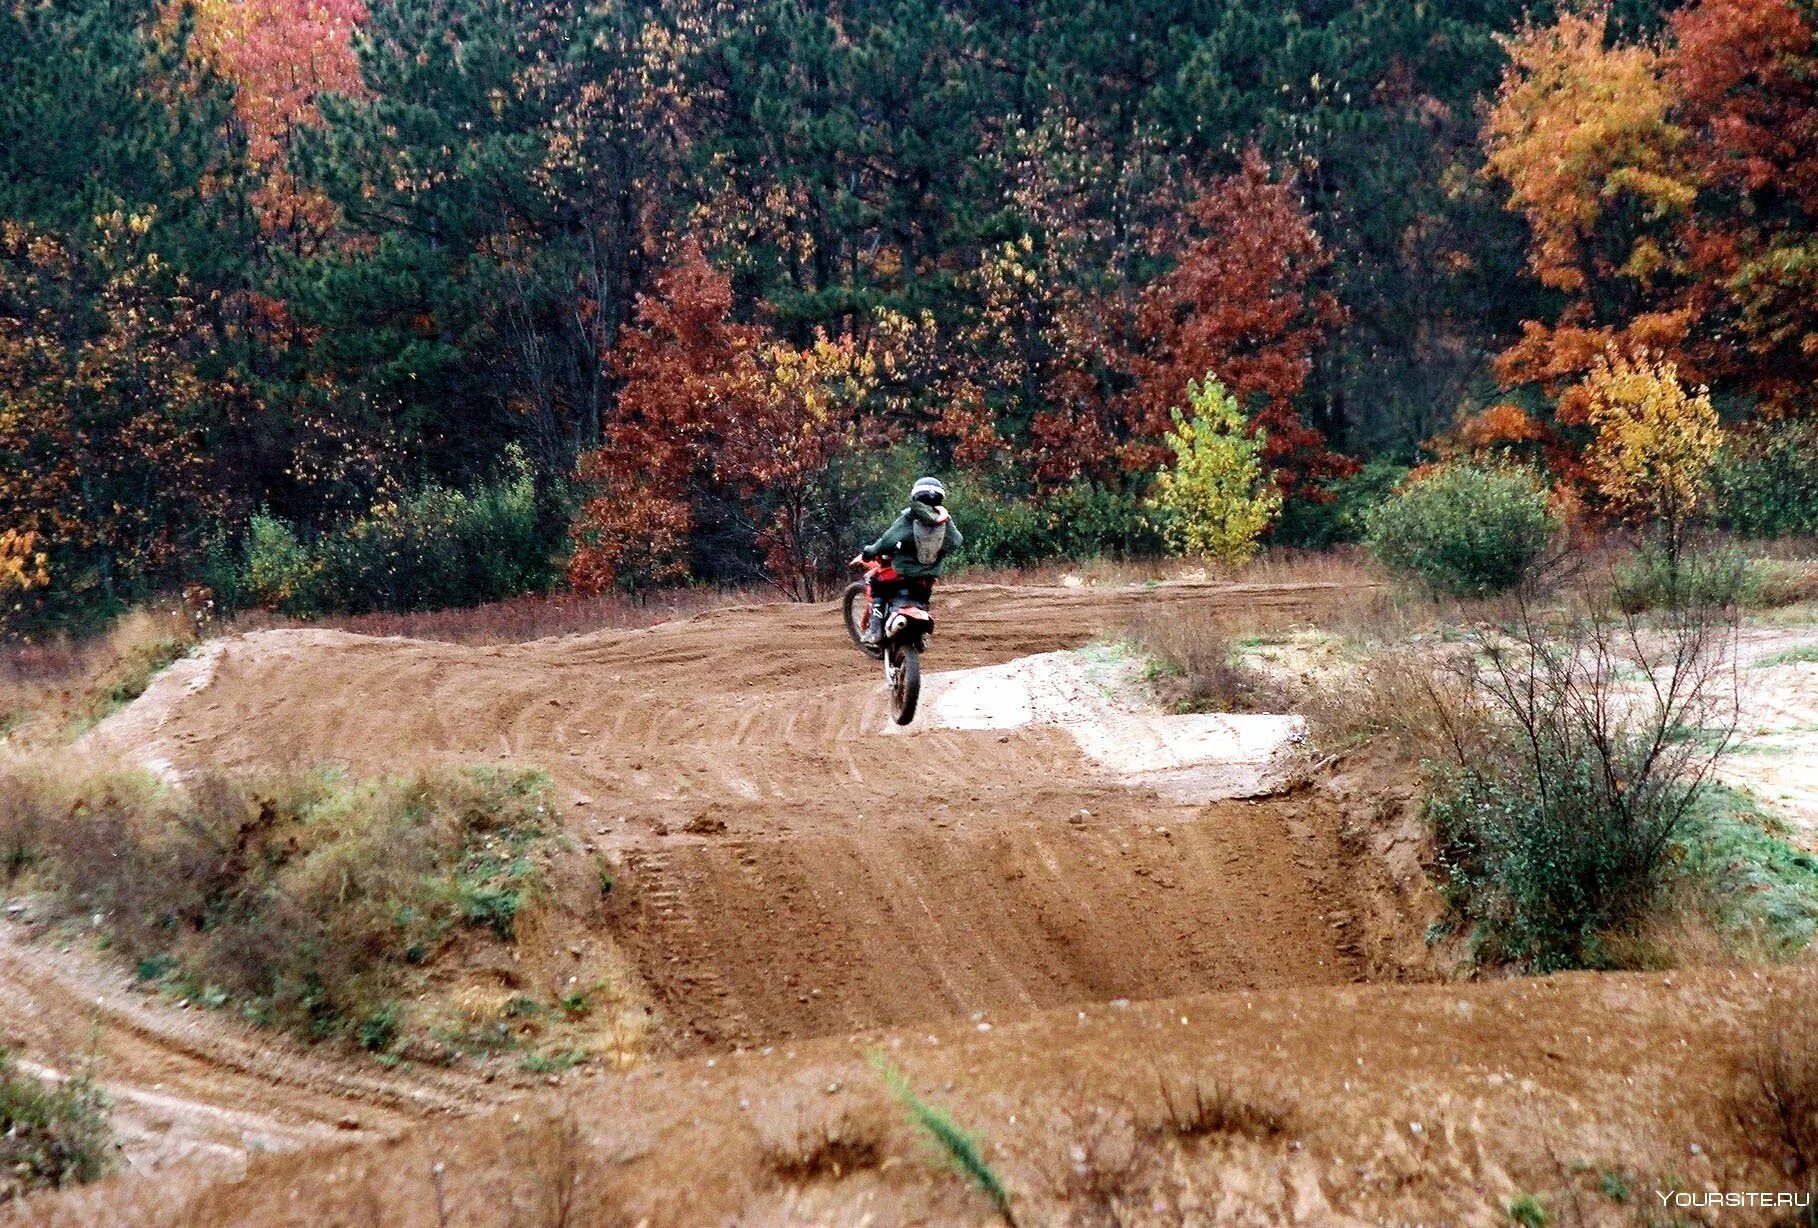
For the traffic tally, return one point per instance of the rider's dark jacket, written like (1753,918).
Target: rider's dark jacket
(899,545)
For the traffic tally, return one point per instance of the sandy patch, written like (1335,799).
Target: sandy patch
(1096,695)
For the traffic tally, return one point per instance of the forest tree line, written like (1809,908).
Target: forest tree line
(336,305)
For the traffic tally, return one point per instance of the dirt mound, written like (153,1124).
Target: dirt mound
(787,866)
(787,863)
(1594,1095)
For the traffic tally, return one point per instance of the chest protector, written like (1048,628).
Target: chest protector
(929,540)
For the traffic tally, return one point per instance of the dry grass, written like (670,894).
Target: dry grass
(1419,698)
(1193,1106)
(306,901)
(1119,1165)
(1781,1082)
(51,689)
(813,1143)
(1196,666)
(1280,566)
(529,618)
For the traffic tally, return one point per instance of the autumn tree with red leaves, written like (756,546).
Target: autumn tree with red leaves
(718,426)
(1672,188)
(281,55)
(1238,306)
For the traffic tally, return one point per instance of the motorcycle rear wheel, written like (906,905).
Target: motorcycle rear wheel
(906,687)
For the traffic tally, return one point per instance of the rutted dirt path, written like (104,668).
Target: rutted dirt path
(1351,1106)
(787,862)
(192,1086)
(1024,927)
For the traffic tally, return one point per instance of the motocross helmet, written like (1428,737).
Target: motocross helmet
(928,491)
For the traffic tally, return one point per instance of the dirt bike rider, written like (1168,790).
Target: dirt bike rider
(915,546)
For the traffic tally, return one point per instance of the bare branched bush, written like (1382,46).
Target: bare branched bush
(1104,1168)
(1557,825)
(1196,663)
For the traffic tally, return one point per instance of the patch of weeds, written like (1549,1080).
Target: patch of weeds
(577,1003)
(957,1147)
(1804,654)
(1754,880)
(1197,1108)
(1194,664)
(307,900)
(52,1134)
(154,968)
(825,1145)
(379,1030)
(553,1063)
(1528,1211)
(1614,1186)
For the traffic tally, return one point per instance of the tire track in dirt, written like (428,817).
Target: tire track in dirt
(192,1085)
(790,864)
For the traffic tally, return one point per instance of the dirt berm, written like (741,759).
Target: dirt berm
(1432,1104)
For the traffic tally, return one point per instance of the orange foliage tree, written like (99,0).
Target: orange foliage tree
(722,432)
(281,55)
(1237,304)
(1672,189)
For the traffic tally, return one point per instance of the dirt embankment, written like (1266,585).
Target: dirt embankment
(1596,1095)
(787,865)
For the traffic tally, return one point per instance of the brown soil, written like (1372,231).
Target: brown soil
(787,866)
(1356,1105)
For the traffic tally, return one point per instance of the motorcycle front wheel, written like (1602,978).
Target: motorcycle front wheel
(856,609)
(906,685)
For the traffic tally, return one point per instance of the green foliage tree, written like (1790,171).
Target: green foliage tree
(1216,495)
(490,185)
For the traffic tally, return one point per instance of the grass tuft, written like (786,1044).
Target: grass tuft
(958,1148)
(52,1133)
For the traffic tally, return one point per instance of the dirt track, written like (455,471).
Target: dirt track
(790,863)
(789,867)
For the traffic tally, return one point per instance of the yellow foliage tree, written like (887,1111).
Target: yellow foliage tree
(1577,125)
(1216,494)
(23,566)
(1656,439)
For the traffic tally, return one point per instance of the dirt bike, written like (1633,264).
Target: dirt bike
(907,626)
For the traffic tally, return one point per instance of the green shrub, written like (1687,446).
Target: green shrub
(52,1134)
(1654,580)
(1547,875)
(433,549)
(1079,522)
(1559,815)
(1340,520)
(1464,530)
(1765,481)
